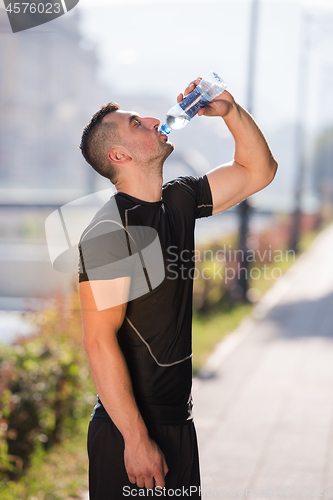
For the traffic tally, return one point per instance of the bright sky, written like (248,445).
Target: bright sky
(87,3)
(158,47)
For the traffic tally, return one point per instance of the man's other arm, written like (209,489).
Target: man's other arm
(143,458)
(253,166)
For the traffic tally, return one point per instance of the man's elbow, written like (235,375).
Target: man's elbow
(270,172)
(89,343)
(273,168)
(98,340)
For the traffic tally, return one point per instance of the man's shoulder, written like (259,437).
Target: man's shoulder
(183,186)
(191,194)
(181,182)
(108,218)
(184,183)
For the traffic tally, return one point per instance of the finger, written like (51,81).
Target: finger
(131,478)
(208,110)
(149,483)
(140,481)
(192,85)
(202,111)
(180,97)
(196,81)
(189,89)
(159,480)
(165,468)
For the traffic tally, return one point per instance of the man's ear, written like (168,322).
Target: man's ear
(118,155)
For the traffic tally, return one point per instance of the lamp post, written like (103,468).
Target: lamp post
(244,207)
(302,92)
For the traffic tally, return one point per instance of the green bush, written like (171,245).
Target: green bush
(216,286)
(45,386)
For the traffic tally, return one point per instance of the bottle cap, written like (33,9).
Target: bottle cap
(165,129)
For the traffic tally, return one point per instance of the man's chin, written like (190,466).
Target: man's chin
(170,148)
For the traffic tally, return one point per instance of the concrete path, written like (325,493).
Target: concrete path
(265,418)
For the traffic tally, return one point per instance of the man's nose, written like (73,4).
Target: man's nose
(151,122)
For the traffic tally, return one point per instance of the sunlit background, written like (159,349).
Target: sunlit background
(263,413)
(141,54)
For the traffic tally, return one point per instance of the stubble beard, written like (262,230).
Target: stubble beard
(154,166)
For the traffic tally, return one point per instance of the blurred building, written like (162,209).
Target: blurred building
(48,91)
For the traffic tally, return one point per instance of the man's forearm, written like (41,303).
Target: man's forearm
(251,148)
(144,461)
(114,387)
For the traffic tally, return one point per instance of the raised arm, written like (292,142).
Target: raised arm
(253,166)
(144,461)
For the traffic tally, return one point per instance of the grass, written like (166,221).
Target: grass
(208,331)
(59,474)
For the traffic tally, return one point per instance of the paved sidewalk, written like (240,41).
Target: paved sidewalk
(265,419)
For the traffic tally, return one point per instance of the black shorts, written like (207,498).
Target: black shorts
(108,478)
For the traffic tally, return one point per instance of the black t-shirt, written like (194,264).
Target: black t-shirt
(153,243)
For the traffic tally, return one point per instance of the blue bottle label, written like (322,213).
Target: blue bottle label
(193,102)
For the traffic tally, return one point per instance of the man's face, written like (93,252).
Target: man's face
(140,136)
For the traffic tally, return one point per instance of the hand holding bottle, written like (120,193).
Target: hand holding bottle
(219,106)
(197,95)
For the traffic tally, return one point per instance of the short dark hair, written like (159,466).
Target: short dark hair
(97,139)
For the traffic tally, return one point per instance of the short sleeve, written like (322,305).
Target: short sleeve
(203,196)
(191,194)
(105,253)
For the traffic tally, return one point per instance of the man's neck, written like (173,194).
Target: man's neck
(143,188)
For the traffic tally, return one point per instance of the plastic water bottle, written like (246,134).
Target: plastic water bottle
(179,115)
